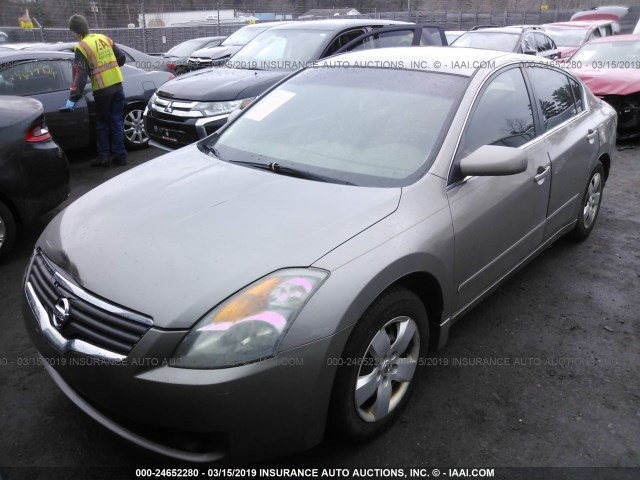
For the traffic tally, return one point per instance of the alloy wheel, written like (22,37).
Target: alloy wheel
(592,201)
(134,127)
(387,369)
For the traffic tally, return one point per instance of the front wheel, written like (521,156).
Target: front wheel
(590,206)
(135,136)
(376,374)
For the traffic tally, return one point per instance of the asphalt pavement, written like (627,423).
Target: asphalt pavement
(544,373)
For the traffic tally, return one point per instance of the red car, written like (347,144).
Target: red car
(569,36)
(610,67)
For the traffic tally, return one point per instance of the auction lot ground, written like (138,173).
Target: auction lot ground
(544,373)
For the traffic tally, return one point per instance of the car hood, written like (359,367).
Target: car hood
(215,53)
(610,81)
(179,234)
(219,84)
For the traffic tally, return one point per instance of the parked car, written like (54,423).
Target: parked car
(34,173)
(218,54)
(288,273)
(610,67)
(135,58)
(196,104)
(612,13)
(47,76)
(568,36)
(176,58)
(529,40)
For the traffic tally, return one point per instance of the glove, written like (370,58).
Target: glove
(70,105)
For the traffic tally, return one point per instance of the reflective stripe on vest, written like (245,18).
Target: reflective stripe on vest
(98,51)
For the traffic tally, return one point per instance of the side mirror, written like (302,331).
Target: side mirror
(491,160)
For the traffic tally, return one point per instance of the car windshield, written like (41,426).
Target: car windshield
(186,48)
(348,125)
(504,42)
(243,36)
(568,37)
(609,52)
(281,50)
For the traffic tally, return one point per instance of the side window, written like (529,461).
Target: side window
(342,40)
(129,58)
(502,116)
(541,44)
(554,94)
(529,43)
(594,34)
(30,78)
(577,94)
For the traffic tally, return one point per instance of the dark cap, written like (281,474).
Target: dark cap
(78,24)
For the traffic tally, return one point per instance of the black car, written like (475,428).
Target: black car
(531,40)
(217,54)
(196,104)
(176,58)
(47,77)
(34,172)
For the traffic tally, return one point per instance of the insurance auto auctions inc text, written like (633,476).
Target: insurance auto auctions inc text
(374,473)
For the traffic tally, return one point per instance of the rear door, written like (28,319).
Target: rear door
(572,141)
(48,81)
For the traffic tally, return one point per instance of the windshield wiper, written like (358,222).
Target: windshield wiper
(282,170)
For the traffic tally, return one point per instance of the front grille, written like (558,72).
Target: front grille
(91,319)
(197,63)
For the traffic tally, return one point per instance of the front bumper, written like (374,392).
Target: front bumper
(175,132)
(270,407)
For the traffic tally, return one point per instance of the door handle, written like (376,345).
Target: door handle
(591,135)
(542,173)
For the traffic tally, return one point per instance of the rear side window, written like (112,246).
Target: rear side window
(555,96)
(31,78)
(502,116)
(577,94)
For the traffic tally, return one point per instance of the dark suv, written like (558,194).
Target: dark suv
(531,40)
(195,105)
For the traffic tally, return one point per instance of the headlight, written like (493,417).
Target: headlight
(211,109)
(249,325)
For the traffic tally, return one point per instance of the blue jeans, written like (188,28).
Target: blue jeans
(109,117)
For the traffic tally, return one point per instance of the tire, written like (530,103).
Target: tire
(590,206)
(7,230)
(397,315)
(135,136)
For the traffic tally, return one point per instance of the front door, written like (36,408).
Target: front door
(498,220)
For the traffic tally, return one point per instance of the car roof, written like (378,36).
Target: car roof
(335,24)
(512,30)
(578,24)
(617,38)
(33,54)
(458,61)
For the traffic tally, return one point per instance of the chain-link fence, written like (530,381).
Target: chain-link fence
(156,26)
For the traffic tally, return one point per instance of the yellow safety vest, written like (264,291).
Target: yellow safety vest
(105,71)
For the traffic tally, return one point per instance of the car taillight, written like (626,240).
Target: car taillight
(172,66)
(38,133)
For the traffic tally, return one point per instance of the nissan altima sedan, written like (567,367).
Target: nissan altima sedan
(286,275)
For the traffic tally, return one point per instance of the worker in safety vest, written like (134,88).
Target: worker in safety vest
(96,56)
